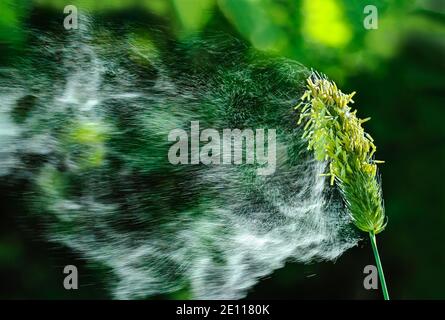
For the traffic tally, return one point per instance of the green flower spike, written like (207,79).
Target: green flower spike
(335,134)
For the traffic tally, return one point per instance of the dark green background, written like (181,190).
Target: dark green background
(398,71)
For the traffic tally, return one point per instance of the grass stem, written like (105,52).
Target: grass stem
(379,266)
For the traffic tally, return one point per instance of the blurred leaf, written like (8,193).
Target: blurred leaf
(193,14)
(254,19)
(325,23)
(87,5)
(159,7)
(11,15)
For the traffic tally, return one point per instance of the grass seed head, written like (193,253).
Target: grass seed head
(335,134)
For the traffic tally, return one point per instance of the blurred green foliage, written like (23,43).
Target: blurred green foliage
(398,71)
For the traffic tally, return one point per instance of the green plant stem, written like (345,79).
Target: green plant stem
(379,266)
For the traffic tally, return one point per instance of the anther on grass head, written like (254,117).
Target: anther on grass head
(335,134)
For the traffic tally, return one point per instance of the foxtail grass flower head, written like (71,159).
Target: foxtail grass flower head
(335,134)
